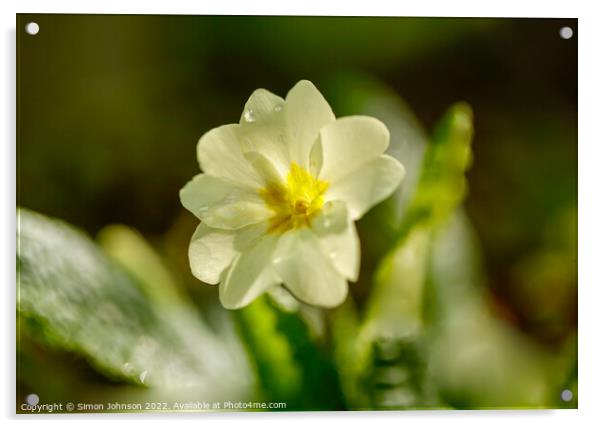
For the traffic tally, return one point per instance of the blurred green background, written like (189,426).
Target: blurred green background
(109,110)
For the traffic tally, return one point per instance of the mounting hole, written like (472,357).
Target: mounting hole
(566,32)
(32,399)
(566,395)
(32,28)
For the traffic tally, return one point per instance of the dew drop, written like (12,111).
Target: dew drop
(249,116)
(278,108)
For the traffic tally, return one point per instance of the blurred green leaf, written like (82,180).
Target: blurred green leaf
(391,334)
(349,357)
(356,93)
(390,339)
(293,364)
(129,248)
(442,185)
(478,360)
(279,373)
(395,305)
(77,299)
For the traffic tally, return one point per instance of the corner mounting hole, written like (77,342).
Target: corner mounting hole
(566,32)
(32,399)
(32,28)
(566,395)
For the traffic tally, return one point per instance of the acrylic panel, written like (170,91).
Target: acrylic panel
(261,213)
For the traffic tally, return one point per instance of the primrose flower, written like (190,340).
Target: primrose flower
(279,195)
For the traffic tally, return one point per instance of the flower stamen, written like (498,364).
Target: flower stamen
(296,202)
(301,206)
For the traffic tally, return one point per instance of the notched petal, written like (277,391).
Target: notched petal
(250,275)
(306,112)
(367,186)
(262,107)
(211,251)
(349,143)
(221,204)
(220,154)
(338,239)
(307,272)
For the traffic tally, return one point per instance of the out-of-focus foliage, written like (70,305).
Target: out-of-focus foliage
(427,336)
(478,360)
(279,371)
(442,185)
(74,298)
(294,366)
(408,142)
(391,332)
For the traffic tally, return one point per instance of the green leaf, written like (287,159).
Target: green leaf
(74,298)
(442,185)
(390,338)
(390,341)
(395,305)
(138,258)
(349,357)
(352,94)
(279,373)
(476,359)
(292,358)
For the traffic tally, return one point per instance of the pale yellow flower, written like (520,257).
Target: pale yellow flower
(279,195)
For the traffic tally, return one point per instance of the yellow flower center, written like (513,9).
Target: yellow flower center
(296,202)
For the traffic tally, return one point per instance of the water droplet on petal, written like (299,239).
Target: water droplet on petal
(278,108)
(249,116)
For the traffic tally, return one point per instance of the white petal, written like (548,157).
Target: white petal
(349,143)
(220,154)
(268,171)
(221,204)
(307,272)
(306,112)
(368,185)
(262,129)
(332,219)
(316,158)
(202,192)
(250,275)
(262,107)
(236,215)
(211,251)
(338,239)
